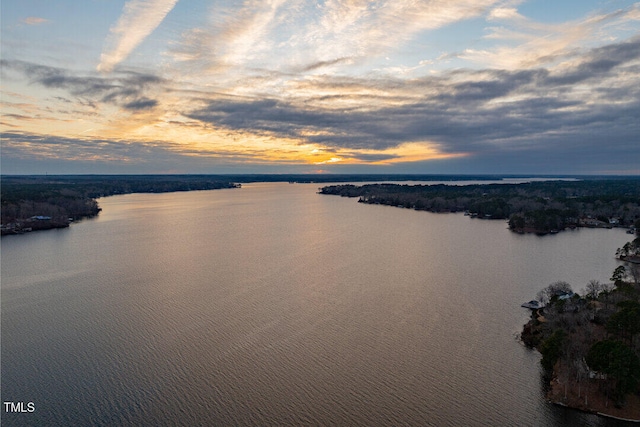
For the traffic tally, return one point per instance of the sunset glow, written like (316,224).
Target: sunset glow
(149,86)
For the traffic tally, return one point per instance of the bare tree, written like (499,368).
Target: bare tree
(553,290)
(593,289)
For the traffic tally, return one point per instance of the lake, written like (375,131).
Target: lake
(273,305)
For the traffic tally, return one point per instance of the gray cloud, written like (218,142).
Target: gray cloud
(599,61)
(141,104)
(482,113)
(321,64)
(539,119)
(124,88)
(25,153)
(18,145)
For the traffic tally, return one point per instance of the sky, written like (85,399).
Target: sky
(324,86)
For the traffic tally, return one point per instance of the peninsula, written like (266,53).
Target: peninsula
(535,207)
(590,343)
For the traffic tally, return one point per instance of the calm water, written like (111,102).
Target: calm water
(273,305)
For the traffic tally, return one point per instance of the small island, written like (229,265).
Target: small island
(545,207)
(590,343)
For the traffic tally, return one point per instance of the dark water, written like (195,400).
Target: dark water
(273,305)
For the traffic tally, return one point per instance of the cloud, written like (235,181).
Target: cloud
(599,61)
(34,20)
(141,104)
(360,28)
(17,116)
(25,152)
(126,89)
(530,44)
(510,13)
(481,113)
(235,36)
(555,97)
(323,64)
(21,145)
(139,18)
(304,37)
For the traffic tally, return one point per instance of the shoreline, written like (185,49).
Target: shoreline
(24,226)
(531,230)
(585,396)
(600,414)
(597,403)
(45,203)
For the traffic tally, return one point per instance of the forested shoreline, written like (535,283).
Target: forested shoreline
(31,203)
(590,341)
(538,207)
(41,202)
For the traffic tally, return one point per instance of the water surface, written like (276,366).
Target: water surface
(273,305)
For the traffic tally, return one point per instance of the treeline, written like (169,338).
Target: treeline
(590,343)
(41,202)
(328,178)
(540,207)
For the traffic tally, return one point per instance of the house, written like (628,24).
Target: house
(562,295)
(592,222)
(533,305)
